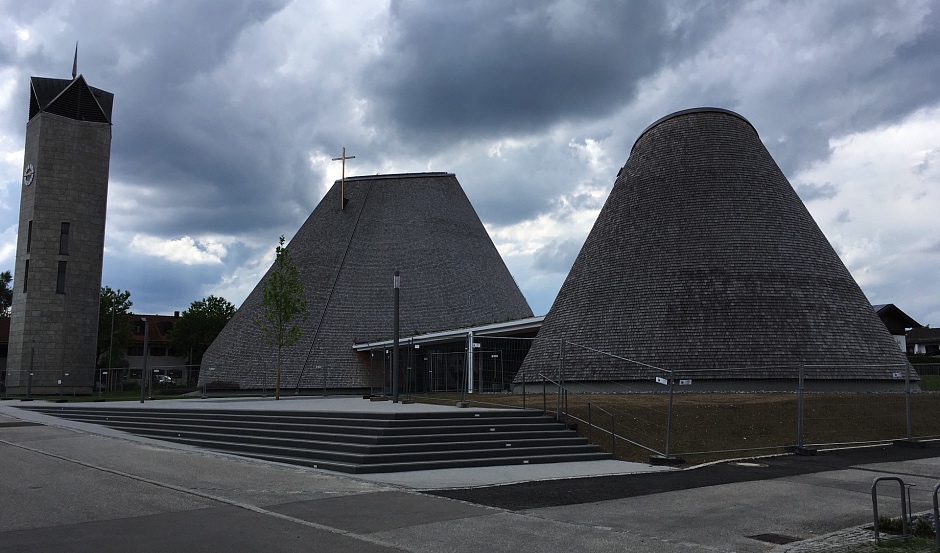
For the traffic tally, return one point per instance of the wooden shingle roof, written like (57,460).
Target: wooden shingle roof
(421,224)
(704,258)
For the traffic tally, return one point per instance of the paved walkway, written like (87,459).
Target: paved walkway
(74,487)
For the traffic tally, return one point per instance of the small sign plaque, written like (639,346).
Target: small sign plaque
(685,382)
(661,380)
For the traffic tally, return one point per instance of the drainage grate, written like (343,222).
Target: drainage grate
(778,539)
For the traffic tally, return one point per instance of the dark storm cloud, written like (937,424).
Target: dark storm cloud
(159,287)
(220,104)
(176,131)
(865,84)
(497,67)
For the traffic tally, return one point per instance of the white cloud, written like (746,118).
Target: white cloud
(889,181)
(589,150)
(185,250)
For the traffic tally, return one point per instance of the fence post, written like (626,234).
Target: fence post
(907,405)
(613,437)
(565,406)
(561,357)
(799,414)
(544,404)
(524,385)
(590,425)
(29,379)
(672,384)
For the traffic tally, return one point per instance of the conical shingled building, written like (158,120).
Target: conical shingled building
(420,224)
(705,261)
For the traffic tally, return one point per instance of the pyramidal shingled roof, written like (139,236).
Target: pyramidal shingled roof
(421,224)
(70,98)
(703,258)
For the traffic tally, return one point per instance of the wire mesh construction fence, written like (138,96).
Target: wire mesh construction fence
(702,415)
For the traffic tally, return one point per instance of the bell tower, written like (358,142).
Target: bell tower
(60,243)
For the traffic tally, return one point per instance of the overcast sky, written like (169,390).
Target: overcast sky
(227,112)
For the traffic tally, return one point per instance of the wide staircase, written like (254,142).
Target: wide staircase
(354,442)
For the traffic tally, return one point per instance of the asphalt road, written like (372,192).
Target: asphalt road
(552,493)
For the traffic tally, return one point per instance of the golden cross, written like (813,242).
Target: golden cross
(342,193)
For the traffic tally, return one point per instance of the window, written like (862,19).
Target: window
(29,236)
(60,280)
(64,239)
(26,276)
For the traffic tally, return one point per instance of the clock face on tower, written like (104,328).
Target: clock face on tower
(28,175)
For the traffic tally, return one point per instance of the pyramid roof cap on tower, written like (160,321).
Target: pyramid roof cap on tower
(422,224)
(73,98)
(704,259)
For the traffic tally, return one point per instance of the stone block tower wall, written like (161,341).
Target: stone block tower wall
(60,242)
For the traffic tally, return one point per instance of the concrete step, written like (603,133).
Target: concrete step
(434,465)
(420,444)
(351,442)
(416,442)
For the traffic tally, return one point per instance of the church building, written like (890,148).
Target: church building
(347,252)
(704,266)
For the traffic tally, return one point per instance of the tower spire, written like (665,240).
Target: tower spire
(75,61)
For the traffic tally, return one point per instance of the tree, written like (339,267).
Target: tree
(282,303)
(197,328)
(114,328)
(6,293)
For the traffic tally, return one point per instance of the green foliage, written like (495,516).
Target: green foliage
(6,293)
(282,301)
(199,325)
(920,527)
(113,327)
(930,382)
(890,525)
(283,305)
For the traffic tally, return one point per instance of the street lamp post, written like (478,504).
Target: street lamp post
(396,282)
(143,371)
(111,344)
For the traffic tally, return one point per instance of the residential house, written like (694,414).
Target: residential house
(897,322)
(924,341)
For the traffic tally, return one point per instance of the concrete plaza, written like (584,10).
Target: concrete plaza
(69,486)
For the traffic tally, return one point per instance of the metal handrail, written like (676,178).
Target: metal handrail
(615,356)
(568,416)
